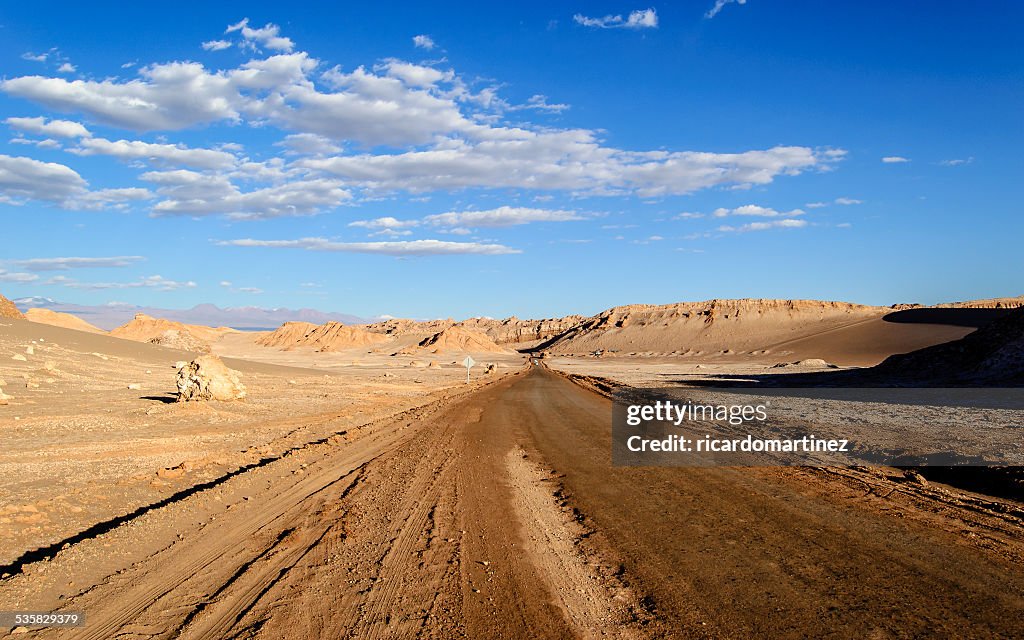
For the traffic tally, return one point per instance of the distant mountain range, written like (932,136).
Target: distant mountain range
(112,315)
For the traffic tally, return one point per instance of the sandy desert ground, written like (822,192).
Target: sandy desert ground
(363,489)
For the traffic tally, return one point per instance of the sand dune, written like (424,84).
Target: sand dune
(58,319)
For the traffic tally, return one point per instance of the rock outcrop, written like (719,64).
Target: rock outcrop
(208,378)
(8,310)
(456,339)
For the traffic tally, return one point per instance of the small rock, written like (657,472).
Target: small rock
(30,350)
(19,357)
(135,386)
(207,378)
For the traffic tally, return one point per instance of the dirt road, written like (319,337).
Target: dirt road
(498,514)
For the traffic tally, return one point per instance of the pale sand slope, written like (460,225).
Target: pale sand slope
(57,319)
(81,447)
(769,331)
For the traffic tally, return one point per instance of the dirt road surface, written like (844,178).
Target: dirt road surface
(498,514)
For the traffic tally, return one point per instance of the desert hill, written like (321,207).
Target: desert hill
(144,328)
(457,339)
(58,319)
(287,335)
(8,310)
(332,336)
(516,331)
(773,331)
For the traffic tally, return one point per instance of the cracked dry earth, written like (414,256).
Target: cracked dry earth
(496,514)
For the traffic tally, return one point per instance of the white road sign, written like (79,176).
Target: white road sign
(468,363)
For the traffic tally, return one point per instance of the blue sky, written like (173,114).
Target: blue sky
(535,159)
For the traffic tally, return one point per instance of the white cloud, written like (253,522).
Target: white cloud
(540,103)
(35,57)
(309,144)
(688,215)
(816,205)
(166,97)
(956,162)
(848,201)
(40,126)
(15,276)
(67,67)
(172,154)
(423,42)
(25,178)
(252,290)
(416,75)
(446,135)
(66,263)
(391,248)
(189,193)
(639,19)
(148,282)
(216,45)
(719,5)
(895,159)
(386,222)
(500,217)
(788,223)
(267,36)
(567,160)
(756,210)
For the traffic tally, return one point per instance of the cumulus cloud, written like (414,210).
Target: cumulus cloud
(172,154)
(848,201)
(423,42)
(639,19)
(756,210)
(895,159)
(67,263)
(719,5)
(26,178)
(40,126)
(216,45)
(500,217)
(391,248)
(67,67)
(444,133)
(788,223)
(566,160)
(268,36)
(309,144)
(191,193)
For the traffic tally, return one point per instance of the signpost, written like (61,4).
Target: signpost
(468,363)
